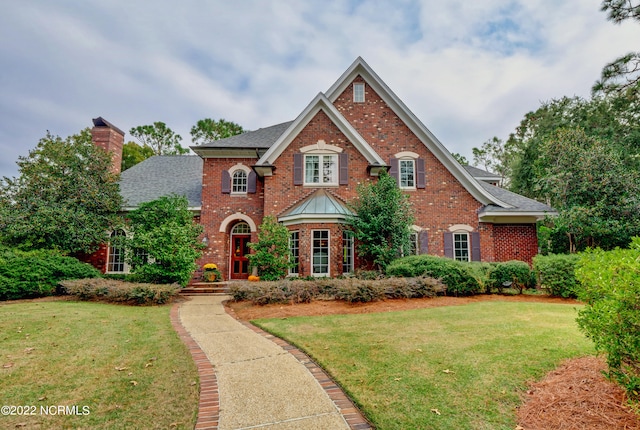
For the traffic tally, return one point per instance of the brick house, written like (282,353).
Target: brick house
(304,173)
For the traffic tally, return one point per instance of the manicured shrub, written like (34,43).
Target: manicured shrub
(28,274)
(511,274)
(111,290)
(457,276)
(556,273)
(348,289)
(610,285)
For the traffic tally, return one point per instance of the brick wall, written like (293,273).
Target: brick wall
(515,242)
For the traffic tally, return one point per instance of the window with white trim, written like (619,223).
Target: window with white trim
(407,173)
(294,253)
(239,182)
(321,169)
(115,257)
(320,253)
(461,246)
(347,252)
(358,92)
(413,244)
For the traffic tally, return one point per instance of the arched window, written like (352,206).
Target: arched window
(239,181)
(241,228)
(115,257)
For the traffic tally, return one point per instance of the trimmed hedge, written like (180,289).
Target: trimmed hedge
(512,274)
(114,291)
(29,274)
(556,274)
(459,277)
(349,289)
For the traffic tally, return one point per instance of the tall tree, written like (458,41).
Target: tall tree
(160,138)
(495,156)
(382,222)
(132,154)
(208,130)
(65,197)
(622,76)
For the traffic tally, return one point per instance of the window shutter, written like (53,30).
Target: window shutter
(420,175)
(448,244)
(225,182)
(251,182)
(423,238)
(393,171)
(297,169)
(475,246)
(344,169)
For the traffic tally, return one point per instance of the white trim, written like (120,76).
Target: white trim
(407,154)
(453,240)
(328,274)
(413,164)
(235,217)
(321,148)
(239,166)
(125,267)
(335,173)
(320,103)
(457,228)
(360,67)
(289,272)
(359,84)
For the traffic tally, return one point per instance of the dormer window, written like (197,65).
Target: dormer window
(358,92)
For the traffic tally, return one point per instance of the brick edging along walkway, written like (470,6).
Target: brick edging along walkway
(209,403)
(345,406)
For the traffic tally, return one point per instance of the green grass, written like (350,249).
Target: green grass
(66,353)
(458,367)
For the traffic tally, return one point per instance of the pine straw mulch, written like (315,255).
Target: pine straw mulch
(575,396)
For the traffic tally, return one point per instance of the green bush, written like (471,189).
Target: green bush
(456,275)
(111,290)
(28,274)
(349,289)
(610,286)
(511,274)
(556,273)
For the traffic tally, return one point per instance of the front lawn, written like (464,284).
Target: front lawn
(457,367)
(108,366)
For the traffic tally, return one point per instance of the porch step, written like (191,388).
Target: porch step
(206,289)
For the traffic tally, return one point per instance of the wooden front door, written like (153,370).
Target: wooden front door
(239,261)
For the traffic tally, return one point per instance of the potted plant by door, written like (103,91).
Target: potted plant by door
(210,273)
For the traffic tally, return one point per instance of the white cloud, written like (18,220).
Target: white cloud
(468,70)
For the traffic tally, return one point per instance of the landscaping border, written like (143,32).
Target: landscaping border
(209,402)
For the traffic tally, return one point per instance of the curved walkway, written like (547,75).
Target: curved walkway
(252,380)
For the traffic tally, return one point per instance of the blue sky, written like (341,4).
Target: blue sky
(468,70)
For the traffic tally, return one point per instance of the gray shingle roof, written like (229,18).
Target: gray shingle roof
(163,175)
(479,173)
(520,203)
(262,138)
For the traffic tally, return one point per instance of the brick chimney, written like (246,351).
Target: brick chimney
(110,138)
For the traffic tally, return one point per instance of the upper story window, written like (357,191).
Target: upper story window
(358,92)
(239,182)
(407,174)
(321,169)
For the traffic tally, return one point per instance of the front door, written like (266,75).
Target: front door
(239,261)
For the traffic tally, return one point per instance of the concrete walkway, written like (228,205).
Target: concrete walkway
(260,384)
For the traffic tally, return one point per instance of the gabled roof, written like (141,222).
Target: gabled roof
(263,138)
(320,206)
(520,205)
(482,174)
(320,103)
(360,67)
(163,175)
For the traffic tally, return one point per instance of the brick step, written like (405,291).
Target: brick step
(206,288)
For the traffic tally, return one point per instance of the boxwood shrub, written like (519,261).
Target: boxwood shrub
(111,290)
(556,273)
(29,274)
(512,274)
(458,277)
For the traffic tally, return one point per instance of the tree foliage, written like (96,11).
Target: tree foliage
(495,156)
(132,154)
(208,130)
(382,222)
(622,76)
(160,138)
(162,242)
(65,198)
(271,251)
(460,158)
